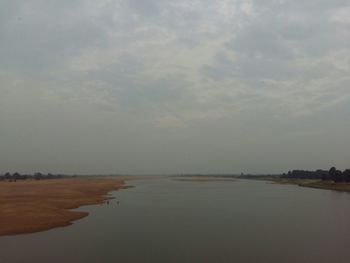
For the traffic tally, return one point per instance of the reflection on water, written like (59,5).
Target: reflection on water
(164,220)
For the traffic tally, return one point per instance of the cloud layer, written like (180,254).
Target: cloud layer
(151,86)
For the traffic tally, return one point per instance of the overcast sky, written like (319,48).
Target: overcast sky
(160,86)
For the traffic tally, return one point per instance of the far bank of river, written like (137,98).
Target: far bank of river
(328,185)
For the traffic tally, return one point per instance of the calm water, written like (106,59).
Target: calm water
(170,221)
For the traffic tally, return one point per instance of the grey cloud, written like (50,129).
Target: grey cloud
(149,8)
(159,86)
(260,41)
(40,35)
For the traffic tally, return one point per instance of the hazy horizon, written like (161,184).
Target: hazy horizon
(170,87)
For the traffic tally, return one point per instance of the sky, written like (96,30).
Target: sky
(163,87)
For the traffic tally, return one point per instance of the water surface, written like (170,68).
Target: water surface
(164,220)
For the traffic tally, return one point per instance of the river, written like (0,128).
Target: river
(164,220)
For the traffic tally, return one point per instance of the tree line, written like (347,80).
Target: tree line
(333,174)
(36,176)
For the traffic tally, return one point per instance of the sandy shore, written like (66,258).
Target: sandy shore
(27,207)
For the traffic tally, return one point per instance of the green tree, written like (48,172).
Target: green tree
(332,172)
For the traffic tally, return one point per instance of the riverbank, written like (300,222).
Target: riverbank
(33,206)
(328,185)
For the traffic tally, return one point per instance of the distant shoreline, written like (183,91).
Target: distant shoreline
(318,184)
(311,183)
(203,179)
(34,206)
